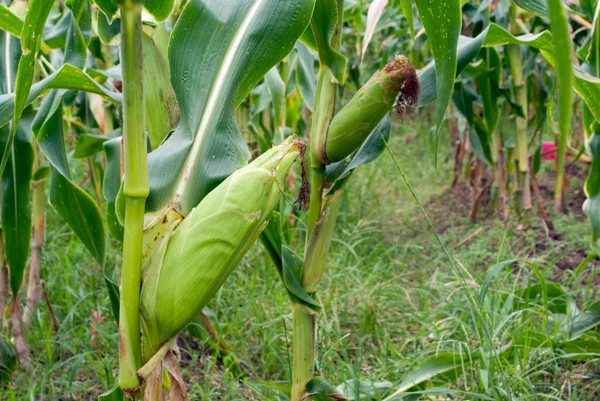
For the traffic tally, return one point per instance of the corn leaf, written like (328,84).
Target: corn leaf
(306,78)
(318,37)
(158,94)
(240,42)
(109,31)
(537,7)
(108,7)
(16,204)
(72,203)
(16,180)
(407,9)
(9,22)
(587,86)
(159,9)
(319,389)
(8,359)
(111,185)
(339,173)
(564,68)
(90,144)
(66,77)
(442,22)
(287,262)
(591,205)
(276,88)
(31,39)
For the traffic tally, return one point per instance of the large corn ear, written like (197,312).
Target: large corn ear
(187,261)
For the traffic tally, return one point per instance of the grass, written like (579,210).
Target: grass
(391,300)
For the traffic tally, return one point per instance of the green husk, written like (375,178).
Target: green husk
(396,84)
(187,261)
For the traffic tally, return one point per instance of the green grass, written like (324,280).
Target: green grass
(391,299)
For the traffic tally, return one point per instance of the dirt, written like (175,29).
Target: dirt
(452,208)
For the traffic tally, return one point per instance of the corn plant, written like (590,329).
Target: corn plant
(185,178)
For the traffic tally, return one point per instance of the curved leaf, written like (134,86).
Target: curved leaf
(16,204)
(537,7)
(111,185)
(442,22)
(158,94)
(72,203)
(587,86)
(67,77)
(372,147)
(241,41)
(10,22)
(160,9)
(108,7)
(376,9)
(31,39)
(564,69)
(318,37)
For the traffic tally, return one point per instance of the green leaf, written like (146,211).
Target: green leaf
(218,52)
(306,79)
(41,174)
(442,22)
(31,39)
(67,77)
(8,360)
(339,173)
(322,28)
(591,206)
(441,364)
(464,98)
(407,9)
(564,69)
(320,389)
(16,204)
(158,94)
(587,86)
(10,22)
(109,32)
(113,294)
(287,262)
(277,90)
(111,185)
(537,7)
(114,394)
(488,87)
(72,203)
(90,144)
(108,7)
(160,9)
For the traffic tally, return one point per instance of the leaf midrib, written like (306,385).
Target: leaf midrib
(213,100)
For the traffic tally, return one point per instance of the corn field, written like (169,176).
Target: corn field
(296,200)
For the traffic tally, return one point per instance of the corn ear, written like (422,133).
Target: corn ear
(396,84)
(188,260)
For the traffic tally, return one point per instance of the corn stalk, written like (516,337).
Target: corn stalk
(135,189)
(520,92)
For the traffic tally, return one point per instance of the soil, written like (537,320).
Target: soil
(451,209)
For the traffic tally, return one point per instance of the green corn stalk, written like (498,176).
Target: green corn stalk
(135,189)
(396,84)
